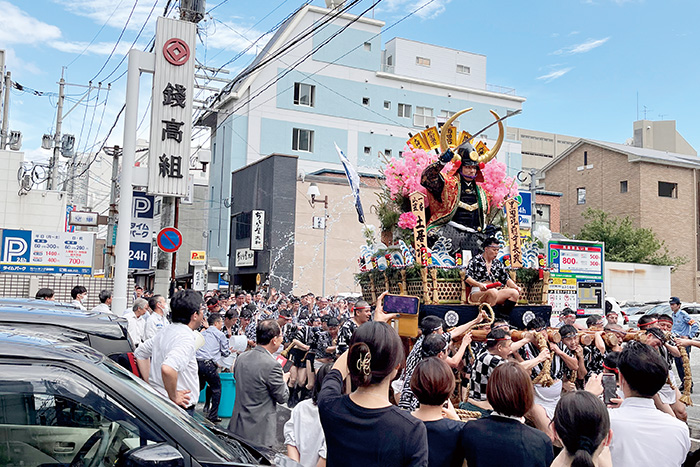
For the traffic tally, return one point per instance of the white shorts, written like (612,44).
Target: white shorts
(548,397)
(667,394)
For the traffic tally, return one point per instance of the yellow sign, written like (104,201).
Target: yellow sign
(481,148)
(516,253)
(432,137)
(198,257)
(450,136)
(418,142)
(464,137)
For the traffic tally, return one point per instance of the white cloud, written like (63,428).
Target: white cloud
(115,13)
(549,77)
(429,9)
(583,47)
(17,27)
(233,36)
(18,65)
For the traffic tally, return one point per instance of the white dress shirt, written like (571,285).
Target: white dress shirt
(102,308)
(136,327)
(154,325)
(173,346)
(644,436)
(303,430)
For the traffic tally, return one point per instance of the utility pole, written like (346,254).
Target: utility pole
(112,220)
(53,168)
(533,199)
(5,110)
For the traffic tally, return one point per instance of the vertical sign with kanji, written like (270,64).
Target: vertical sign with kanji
(419,233)
(257,230)
(171,108)
(516,253)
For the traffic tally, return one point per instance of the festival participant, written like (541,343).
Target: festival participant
(582,424)
(303,433)
(361,314)
(593,354)
(303,354)
(499,348)
(569,338)
(502,438)
(483,270)
(668,397)
(548,396)
(433,346)
(611,316)
(432,383)
(364,428)
(683,326)
(642,435)
(326,343)
(567,316)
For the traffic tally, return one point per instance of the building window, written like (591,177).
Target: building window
(423,117)
(585,158)
(623,186)
(302,140)
(668,190)
(405,110)
(304,94)
(243,223)
(387,152)
(368,150)
(543,213)
(445,115)
(368,46)
(365,101)
(465,70)
(390,60)
(422,61)
(387,105)
(580,196)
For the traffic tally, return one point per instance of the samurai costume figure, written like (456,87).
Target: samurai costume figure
(456,205)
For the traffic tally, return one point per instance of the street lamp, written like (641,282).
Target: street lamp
(314,193)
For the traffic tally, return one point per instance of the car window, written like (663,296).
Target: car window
(51,416)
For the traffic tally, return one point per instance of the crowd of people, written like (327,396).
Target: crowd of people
(360,395)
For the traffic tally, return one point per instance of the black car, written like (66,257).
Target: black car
(104,332)
(63,403)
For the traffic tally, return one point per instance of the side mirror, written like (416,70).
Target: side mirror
(154,455)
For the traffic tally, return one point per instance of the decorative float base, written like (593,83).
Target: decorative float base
(519,316)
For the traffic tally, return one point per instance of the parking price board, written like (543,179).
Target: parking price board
(25,251)
(576,279)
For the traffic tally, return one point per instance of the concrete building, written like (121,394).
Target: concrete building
(350,92)
(539,148)
(655,189)
(660,135)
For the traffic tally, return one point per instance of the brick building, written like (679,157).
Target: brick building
(656,189)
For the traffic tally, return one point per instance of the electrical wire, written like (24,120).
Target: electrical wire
(116,44)
(97,34)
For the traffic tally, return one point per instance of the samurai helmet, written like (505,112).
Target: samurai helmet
(472,154)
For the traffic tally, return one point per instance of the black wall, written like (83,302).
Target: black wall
(269,185)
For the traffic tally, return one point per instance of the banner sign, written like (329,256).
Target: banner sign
(171,108)
(25,251)
(245,257)
(419,231)
(516,252)
(576,278)
(257,232)
(141,231)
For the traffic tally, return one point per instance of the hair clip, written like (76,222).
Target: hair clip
(363,364)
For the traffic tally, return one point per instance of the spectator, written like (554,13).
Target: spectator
(582,424)
(136,322)
(158,319)
(105,302)
(502,438)
(389,435)
(260,386)
(138,291)
(172,370)
(78,294)
(44,294)
(208,356)
(303,433)
(643,435)
(361,314)
(432,383)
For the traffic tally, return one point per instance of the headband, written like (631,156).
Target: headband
(614,370)
(648,324)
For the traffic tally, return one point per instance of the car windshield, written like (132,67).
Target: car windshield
(230,450)
(661,309)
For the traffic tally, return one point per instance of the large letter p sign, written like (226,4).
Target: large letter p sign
(14,249)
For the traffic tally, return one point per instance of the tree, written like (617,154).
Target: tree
(624,242)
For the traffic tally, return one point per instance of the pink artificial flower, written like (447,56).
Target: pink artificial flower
(407,220)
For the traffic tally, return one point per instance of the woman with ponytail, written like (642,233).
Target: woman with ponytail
(582,424)
(364,428)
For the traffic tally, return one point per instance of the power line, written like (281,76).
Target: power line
(121,34)
(97,34)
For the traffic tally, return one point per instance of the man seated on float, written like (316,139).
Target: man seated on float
(483,271)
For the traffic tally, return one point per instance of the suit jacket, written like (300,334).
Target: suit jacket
(259,388)
(499,441)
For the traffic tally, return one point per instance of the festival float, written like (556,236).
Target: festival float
(433,220)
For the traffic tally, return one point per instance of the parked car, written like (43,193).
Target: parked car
(104,332)
(693,309)
(64,403)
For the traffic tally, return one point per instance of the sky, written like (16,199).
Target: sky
(588,68)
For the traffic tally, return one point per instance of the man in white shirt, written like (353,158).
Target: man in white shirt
(642,435)
(172,369)
(105,302)
(136,322)
(158,319)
